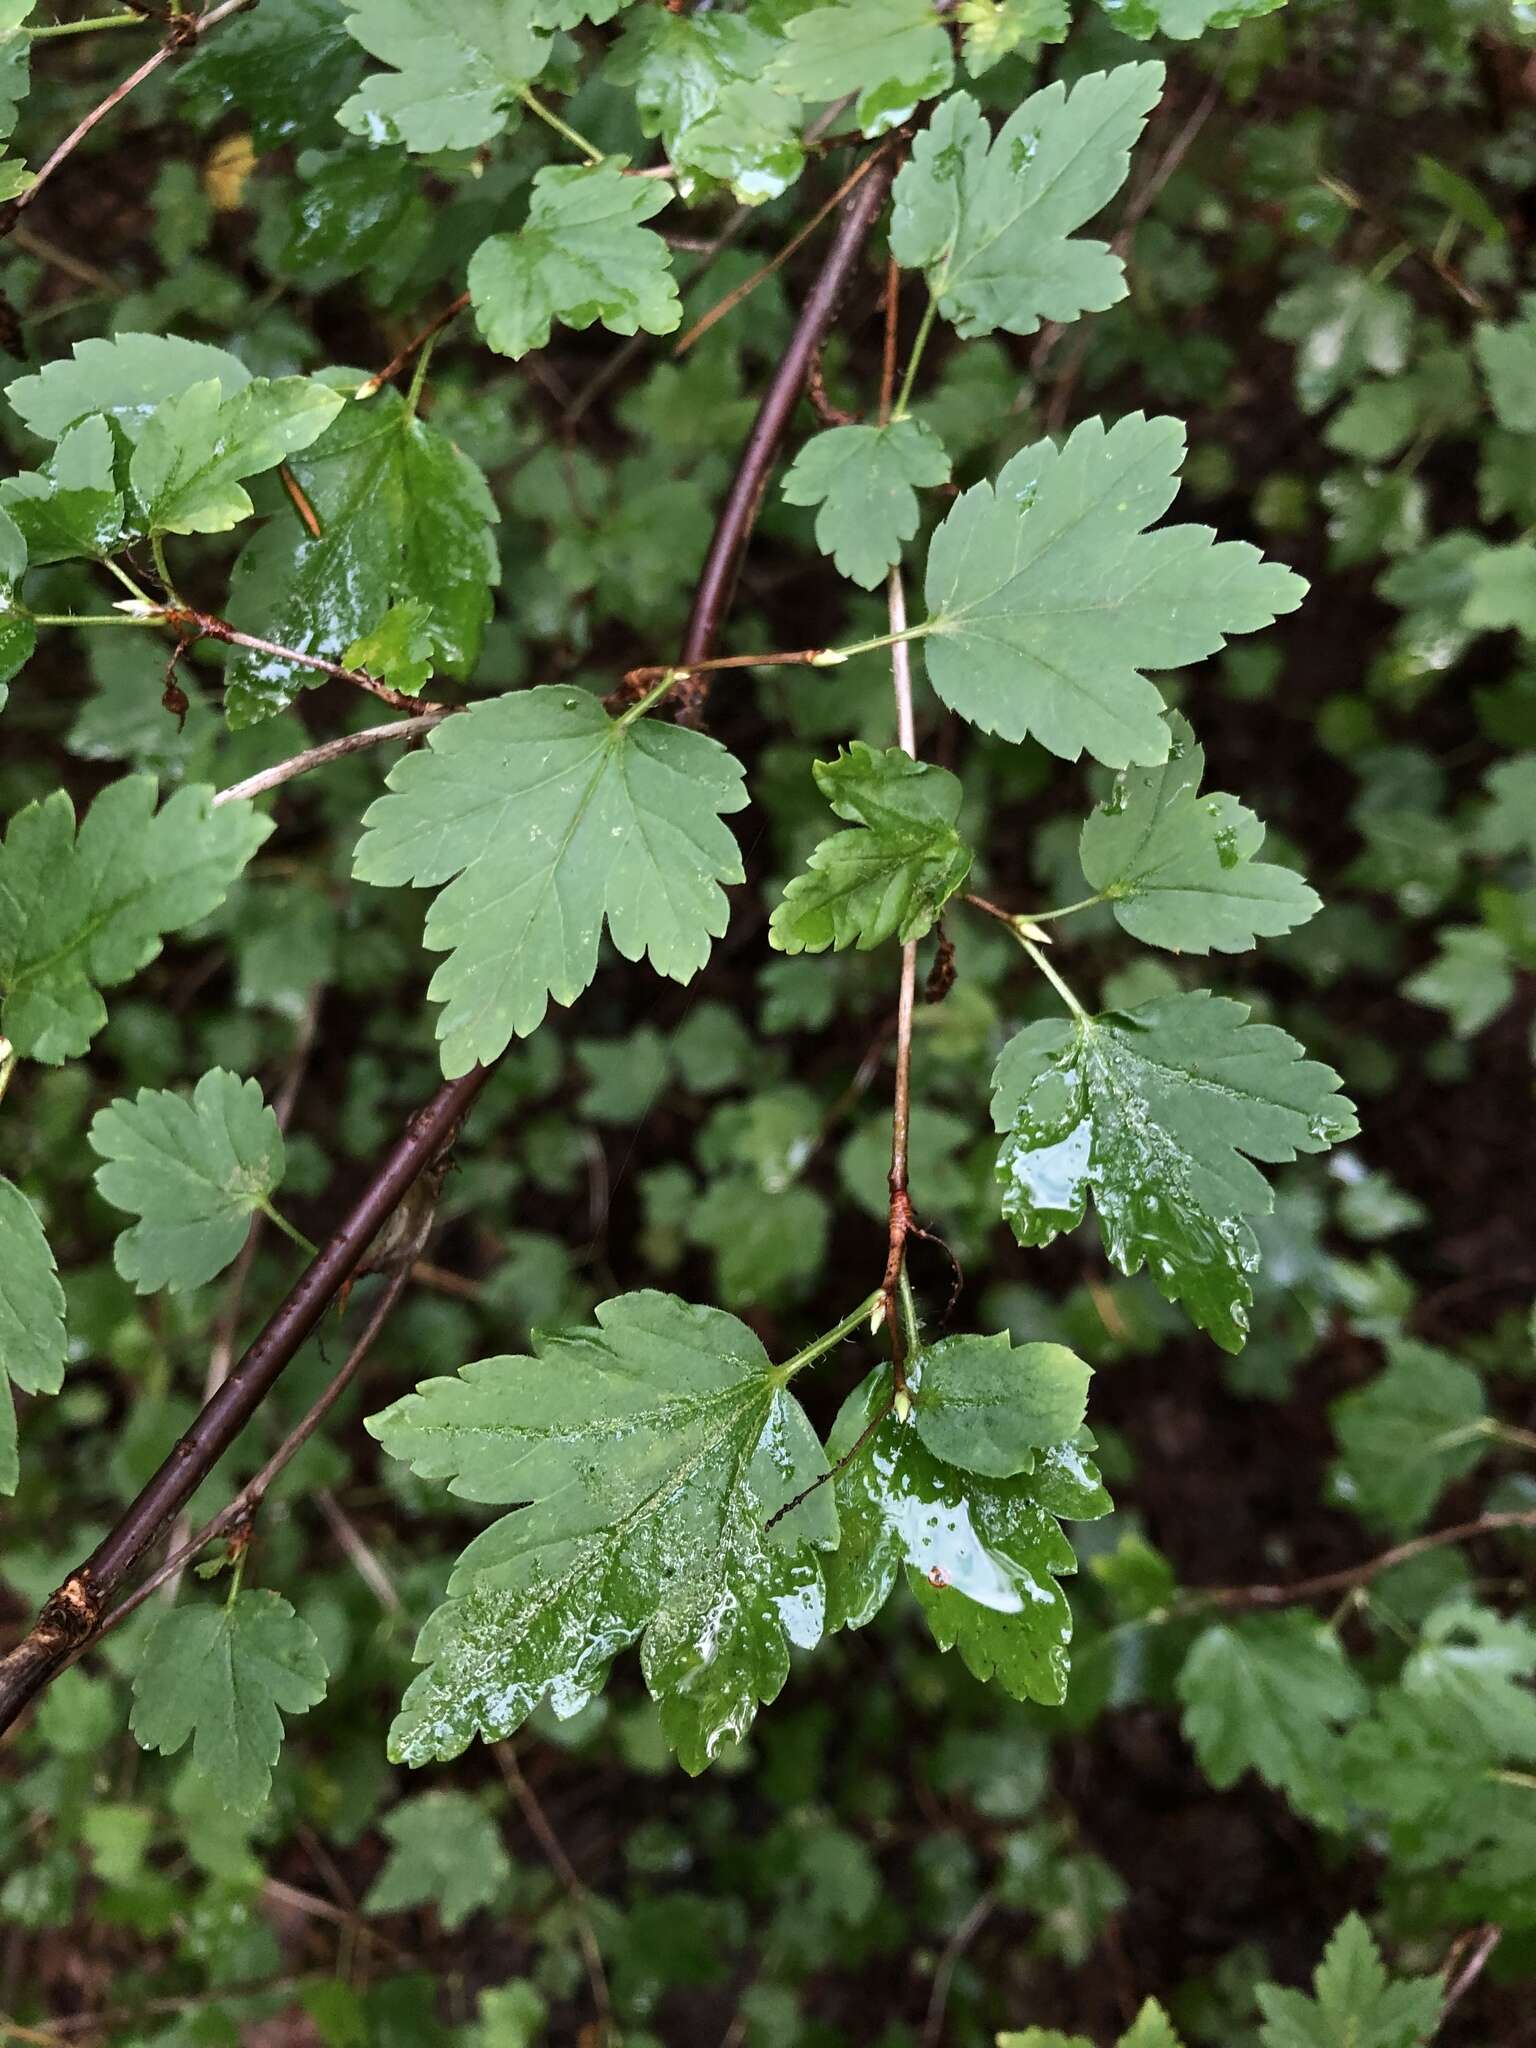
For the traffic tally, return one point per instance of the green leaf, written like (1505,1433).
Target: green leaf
(193,1171)
(988,1406)
(982,1556)
(1184,20)
(1502,588)
(403,514)
(654,1450)
(196,447)
(865,479)
(287,65)
(1471,979)
(1470,1677)
(126,378)
(698,83)
(1407,1435)
(32,1346)
(455,69)
(400,647)
(892,877)
(1507,356)
(446,1851)
(991,222)
(892,53)
(1267,1694)
(1152,1111)
(994,29)
(72,506)
(1047,597)
(1151,2029)
(224,1676)
(1179,868)
(1343,325)
(583,254)
(15,52)
(553,816)
(82,914)
(1356,2004)
(18,635)
(1509,823)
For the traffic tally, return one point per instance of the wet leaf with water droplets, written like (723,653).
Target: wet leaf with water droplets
(989,1406)
(1152,1111)
(546,817)
(892,53)
(982,1556)
(32,1345)
(654,1449)
(991,221)
(1047,597)
(1179,868)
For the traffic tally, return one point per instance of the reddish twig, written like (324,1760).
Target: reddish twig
(1459,1981)
(206,626)
(397,363)
(182,36)
(739,513)
(331,750)
(829,414)
(1234,1599)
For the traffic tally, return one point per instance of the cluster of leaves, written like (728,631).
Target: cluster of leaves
(195,471)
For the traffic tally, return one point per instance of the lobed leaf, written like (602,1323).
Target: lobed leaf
(1179,868)
(654,1450)
(583,254)
(32,1343)
(193,1171)
(454,69)
(1158,1113)
(892,877)
(223,1677)
(990,221)
(988,1406)
(891,53)
(865,479)
(1047,597)
(82,913)
(546,817)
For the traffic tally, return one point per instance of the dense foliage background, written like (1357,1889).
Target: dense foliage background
(1326,234)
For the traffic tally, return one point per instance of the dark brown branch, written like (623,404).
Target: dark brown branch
(75,1612)
(1235,1599)
(718,580)
(554,1849)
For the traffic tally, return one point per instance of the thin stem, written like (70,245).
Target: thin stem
(163,568)
(1228,1598)
(205,625)
(554,1849)
(1509,1433)
(92,618)
(899,1209)
(819,1346)
(653,695)
(833,657)
(925,328)
(551,119)
(46,31)
(275,1215)
(1051,975)
(1066,910)
(328,751)
(134,589)
(397,363)
(419,376)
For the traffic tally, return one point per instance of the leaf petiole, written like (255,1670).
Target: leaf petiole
(920,342)
(824,1343)
(551,119)
(834,657)
(46,31)
(274,1215)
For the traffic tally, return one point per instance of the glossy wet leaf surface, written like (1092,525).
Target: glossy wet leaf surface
(83,913)
(454,70)
(72,506)
(988,1405)
(1047,598)
(698,84)
(196,448)
(1179,868)
(402,514)
(992,221)
(981,1556)
(653,1449)
(891,53)
(1158,1113)
(547,819)
(892,876)
(32,1343)
(194,1171)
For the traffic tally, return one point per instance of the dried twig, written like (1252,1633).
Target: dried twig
(1234,1599)
(327,751)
